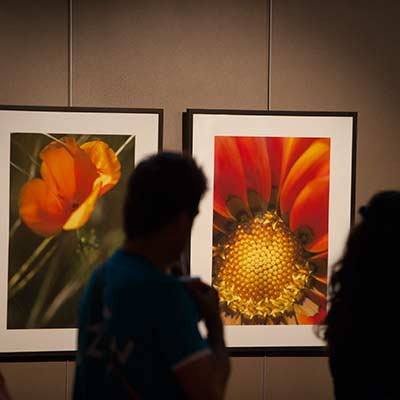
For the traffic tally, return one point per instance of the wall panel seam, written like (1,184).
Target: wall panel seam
(70,53)
(264,389)
(66,391)
(269,50)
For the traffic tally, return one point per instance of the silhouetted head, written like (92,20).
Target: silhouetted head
(363,287)
(382,211)
(161,189)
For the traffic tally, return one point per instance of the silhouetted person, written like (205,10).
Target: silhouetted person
(361,325)
(138,326)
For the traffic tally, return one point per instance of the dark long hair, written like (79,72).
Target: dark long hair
(363,289)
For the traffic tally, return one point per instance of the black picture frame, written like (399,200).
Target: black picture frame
(189,143)
(140,121)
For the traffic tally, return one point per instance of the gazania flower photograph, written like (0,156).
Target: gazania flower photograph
(270,229)
(63,220)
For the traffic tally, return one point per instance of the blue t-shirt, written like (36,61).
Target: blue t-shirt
(135,326)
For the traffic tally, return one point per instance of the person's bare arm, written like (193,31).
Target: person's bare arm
(206,376)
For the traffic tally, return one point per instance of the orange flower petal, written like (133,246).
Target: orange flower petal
(40,209)
(314,162)
(106,162)
(85,174)
(319,317)
(293,148)
(316,319)
(58,171)
(218,228)
(81,215)
(68,171)
(320,256)
(320,245)
(322,279)
(310,212)
(254,155)
(229,177)
(275,153)
(219,222)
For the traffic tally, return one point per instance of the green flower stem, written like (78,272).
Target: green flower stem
(66,293)
(82,139)
(54,139)
(42,294)
(117,153)
(70,288)
(24,267)
(60,299)
(75,285)
(22,283)
(23,150)
(18,168)
(15,227)
(33,157)
(32,172)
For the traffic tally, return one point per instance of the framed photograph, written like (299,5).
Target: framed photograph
(274,220)
(64,172)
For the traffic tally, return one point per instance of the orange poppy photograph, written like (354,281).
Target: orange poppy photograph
(274,220)
(64,174)
(63,220)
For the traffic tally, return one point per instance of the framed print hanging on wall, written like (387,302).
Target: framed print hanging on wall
(64,177)
(275,218)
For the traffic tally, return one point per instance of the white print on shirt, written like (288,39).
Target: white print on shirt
(94,348)
(118,352)
(122,355)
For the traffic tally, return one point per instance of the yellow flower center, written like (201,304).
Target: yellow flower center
(261,270)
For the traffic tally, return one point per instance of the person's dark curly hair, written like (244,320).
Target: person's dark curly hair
(363,288)
(160,188)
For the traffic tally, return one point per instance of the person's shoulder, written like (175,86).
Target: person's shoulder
(96,279)
(126,265)
(171,284)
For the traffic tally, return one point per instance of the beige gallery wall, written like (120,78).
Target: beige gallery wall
(277,54)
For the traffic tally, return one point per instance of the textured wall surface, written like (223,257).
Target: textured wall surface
(337,56)
(172,55)
(34,52)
